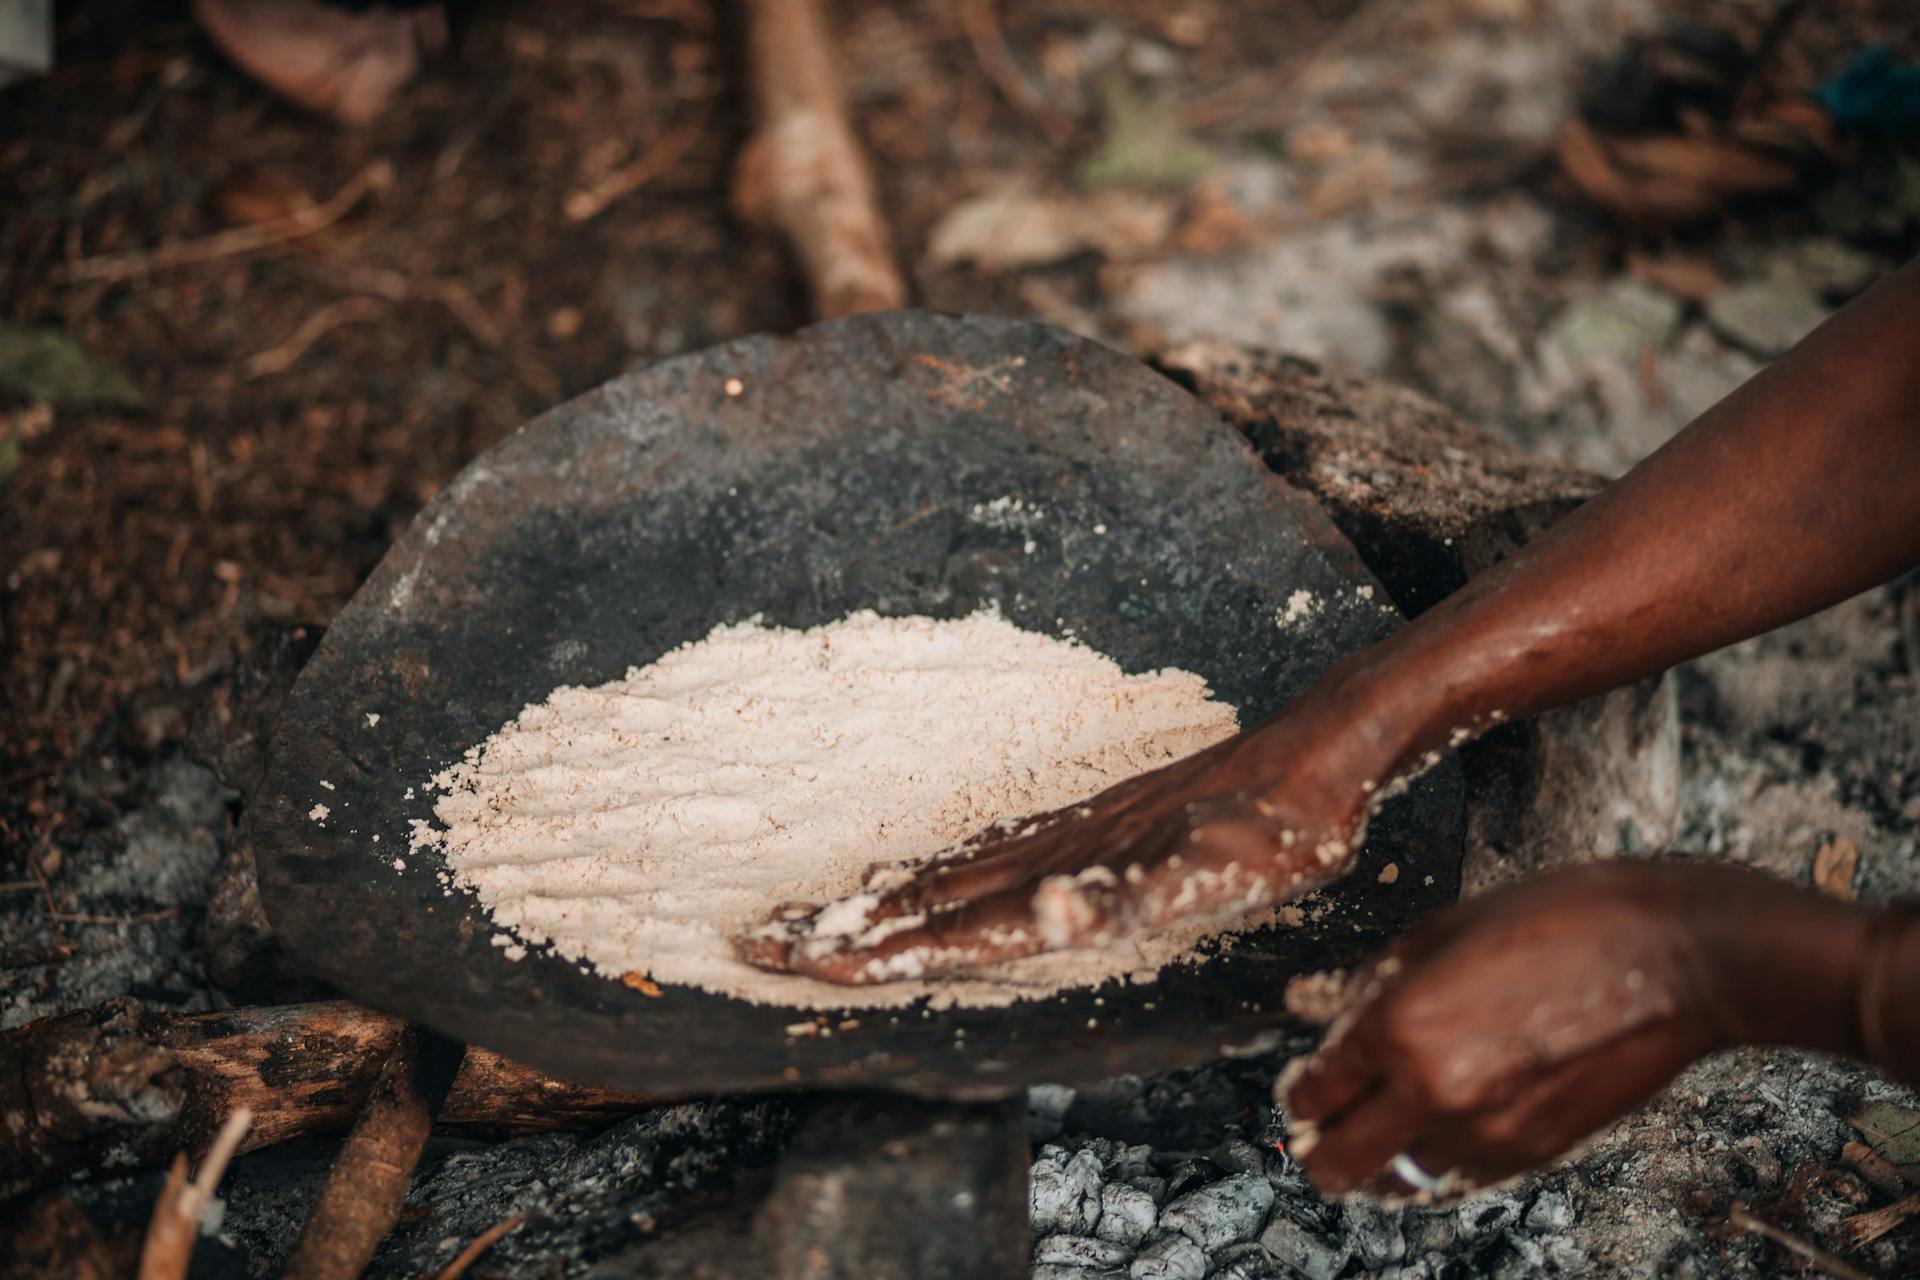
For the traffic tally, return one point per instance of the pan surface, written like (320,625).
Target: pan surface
(800,479)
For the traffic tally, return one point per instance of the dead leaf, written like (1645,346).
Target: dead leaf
(1834,866)
(1007,229)
(49,366)
(641,982)
(1668,178)
(1894,1134)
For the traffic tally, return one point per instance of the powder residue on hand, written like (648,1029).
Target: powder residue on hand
(638,825)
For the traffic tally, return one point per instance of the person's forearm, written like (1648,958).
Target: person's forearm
(1797,969)
(1797,491)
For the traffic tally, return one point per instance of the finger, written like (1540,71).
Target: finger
(1059,912)
(1361,1140)
(984,931)
(1329,1081)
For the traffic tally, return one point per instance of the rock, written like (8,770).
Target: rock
(1244,1262)
(1053,1271)
(1486,1214)
(1171,1257)
(1550,1211)
(1768,315)
(1833,267)
(1618,323)
(1311,1256)
(1065,1197)
(904,1186)
(1079,1251)
(1376,1233)
(1047,1110)
(1127,1214)
(1221,1213)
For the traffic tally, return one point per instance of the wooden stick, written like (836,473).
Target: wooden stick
(377,176)
(1816,1257)
(1867,1227)
(176,1213)
(368,1184)
(802,171)
(124,1079)
(481,1243)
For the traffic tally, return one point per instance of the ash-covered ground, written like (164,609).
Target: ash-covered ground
(1382,200)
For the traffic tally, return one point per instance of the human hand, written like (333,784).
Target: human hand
(1254,820)
(1499,1035)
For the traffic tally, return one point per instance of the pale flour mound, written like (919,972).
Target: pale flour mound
(638,825)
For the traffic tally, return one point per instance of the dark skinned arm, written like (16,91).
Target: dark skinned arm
(1798,490)
(1503,1032)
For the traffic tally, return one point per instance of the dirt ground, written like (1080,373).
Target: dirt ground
(1371,184)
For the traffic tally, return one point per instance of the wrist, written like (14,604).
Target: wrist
(1787,964)
(1887,1009)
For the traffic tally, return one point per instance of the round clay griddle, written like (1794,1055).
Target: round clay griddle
(800,479)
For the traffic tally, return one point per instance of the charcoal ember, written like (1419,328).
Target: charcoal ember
(1236,1155)
(1188,1172)
(1430,1232)
(1079,1251)
(1155,1188)
(1127,1214)
(1105,1150)
(1427,1268)
(1550,1211)
(1047,1110)
(1221,1213)
(1054,1271)
(1378,1237)
(1564,1257)
(1064,1193)
(1249,1261)
(1304,1248)
(1131,1163)
(1171,1257)
(1487,1214)
(1520,1258)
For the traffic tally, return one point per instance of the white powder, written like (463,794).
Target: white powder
(638,825)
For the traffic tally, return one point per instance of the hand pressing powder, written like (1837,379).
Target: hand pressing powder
(638,825)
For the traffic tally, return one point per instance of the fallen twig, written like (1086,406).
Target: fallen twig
(982,25)
(368,1183)
(280,358)
(177,1211)
(238,241)
(120,1081)
(1744,1219)
(802,171)
(481,1243)
(668,150)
